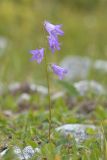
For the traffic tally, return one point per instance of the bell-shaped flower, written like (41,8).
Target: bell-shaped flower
(53,29)
(59,71)
(37,55)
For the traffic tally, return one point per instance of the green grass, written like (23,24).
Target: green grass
(31,128)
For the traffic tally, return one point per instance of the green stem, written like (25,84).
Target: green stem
(49,97)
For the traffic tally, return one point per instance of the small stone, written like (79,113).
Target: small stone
(3,45)
(86,86)
(24,101)
(8,113)
(3,42)
(57,95)
(100,65)
(24,98)
(37,150)
(33,87)
(42,89)
(3,152)
(78,67)
(26,153)
(19,153)
(79,131)
(14,88)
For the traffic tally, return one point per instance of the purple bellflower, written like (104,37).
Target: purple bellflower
(38,55)
(59,71)
(53,29)
(53,43)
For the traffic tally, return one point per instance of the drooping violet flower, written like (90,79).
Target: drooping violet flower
(38,55)
(53,43)
(59,71)
(53,29)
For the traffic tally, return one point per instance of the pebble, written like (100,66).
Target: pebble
(24,97)
(100,65)
(23,101)
(42,89)
(3,42)
(3,152)
(26,153)
(14,88)
(3,45)
(58,95)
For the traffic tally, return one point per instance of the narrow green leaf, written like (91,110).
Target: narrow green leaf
(69,88)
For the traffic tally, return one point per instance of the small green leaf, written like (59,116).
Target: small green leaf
(91,131)
(69,88)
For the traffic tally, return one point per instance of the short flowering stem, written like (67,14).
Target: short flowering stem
(49,96)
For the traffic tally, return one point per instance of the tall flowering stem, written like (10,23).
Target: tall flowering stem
(49,96)
(38,55)
(53,31)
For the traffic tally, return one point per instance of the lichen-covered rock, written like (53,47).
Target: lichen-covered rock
(80,132)
(27,153)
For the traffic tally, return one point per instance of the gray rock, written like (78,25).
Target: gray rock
(57,95)
(27,153)
(42,89)
(78,67)
(3,45)
(27,88)
(19,153)
(23,98)
(23,101)
(14,87)
(3,42)
(86,86)
(79,131)
(33,87)
(100,65)
(3,152)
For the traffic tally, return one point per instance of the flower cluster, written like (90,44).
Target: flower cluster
(54,31)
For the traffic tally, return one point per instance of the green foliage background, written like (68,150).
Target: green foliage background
(21,22)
